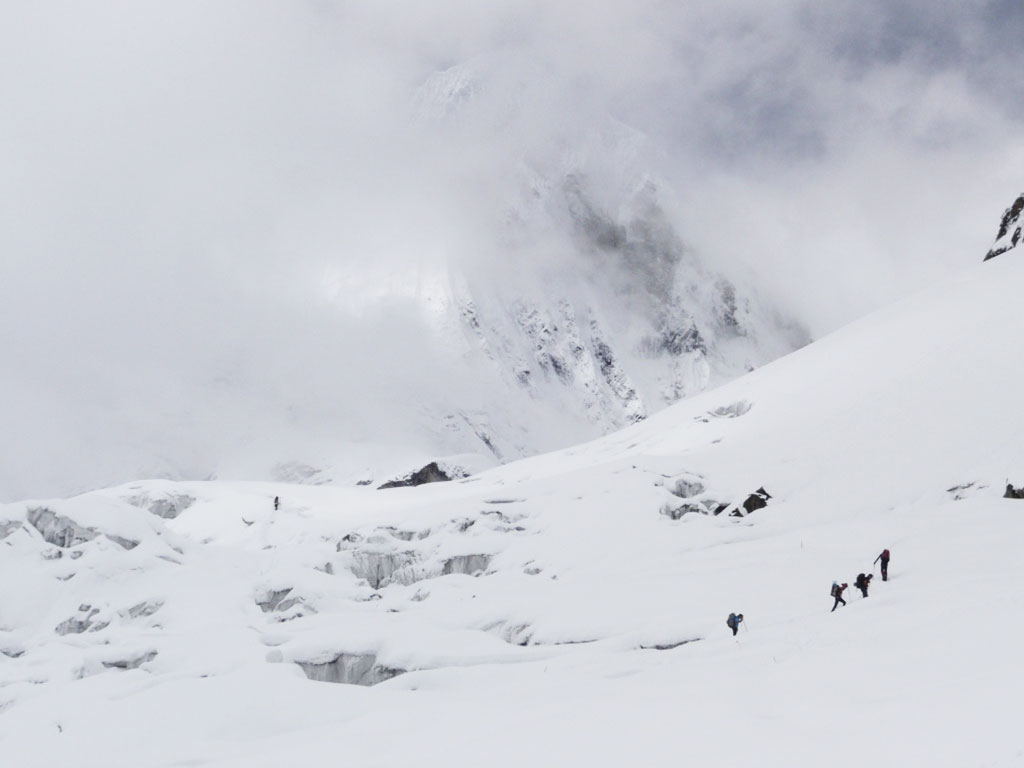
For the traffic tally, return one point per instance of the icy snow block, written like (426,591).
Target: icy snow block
(351,669)
(714,507)
(402,535)
(273,600)
(167,505)
(58,530)
(676,513)
(64,532)
(515,634)
(383,568)
(75,625)
(731,411)
(122,542)
(8,527)
(278,600)
(470,565)
(145,608)
(132,663)
(171,506)
(686,487)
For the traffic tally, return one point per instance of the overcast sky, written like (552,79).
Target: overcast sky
(200,194)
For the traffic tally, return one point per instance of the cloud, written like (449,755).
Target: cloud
(220,220)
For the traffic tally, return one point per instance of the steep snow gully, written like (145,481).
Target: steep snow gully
(569,609)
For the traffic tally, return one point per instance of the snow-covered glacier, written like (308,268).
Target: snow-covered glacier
(568,608)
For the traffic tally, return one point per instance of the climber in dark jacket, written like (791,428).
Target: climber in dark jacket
(884,557)
(837,593)
(733,622)
(862,583)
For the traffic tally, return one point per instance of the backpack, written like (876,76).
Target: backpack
(835,589)
(731,621)
(885,555)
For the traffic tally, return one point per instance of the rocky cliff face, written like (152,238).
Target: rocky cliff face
(631,323)
(1009,229)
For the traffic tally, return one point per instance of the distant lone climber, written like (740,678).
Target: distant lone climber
(884,557)
(277,502)
(733,622)
(863,582)
(837,593)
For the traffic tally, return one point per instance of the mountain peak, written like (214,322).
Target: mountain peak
(1009,229)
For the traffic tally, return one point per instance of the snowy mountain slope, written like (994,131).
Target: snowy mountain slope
(577,308)
(569,608)
(639,323)
(622,318)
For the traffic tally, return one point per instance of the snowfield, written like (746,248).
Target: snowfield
(570,609)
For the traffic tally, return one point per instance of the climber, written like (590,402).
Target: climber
(884,557)
(863,582)
(837,593)
(277,503)
(733,622)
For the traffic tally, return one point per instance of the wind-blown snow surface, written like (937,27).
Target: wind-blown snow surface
(552,611)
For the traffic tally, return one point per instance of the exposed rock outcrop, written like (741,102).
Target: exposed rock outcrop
(1009,229)
(755,501)
(432,473)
